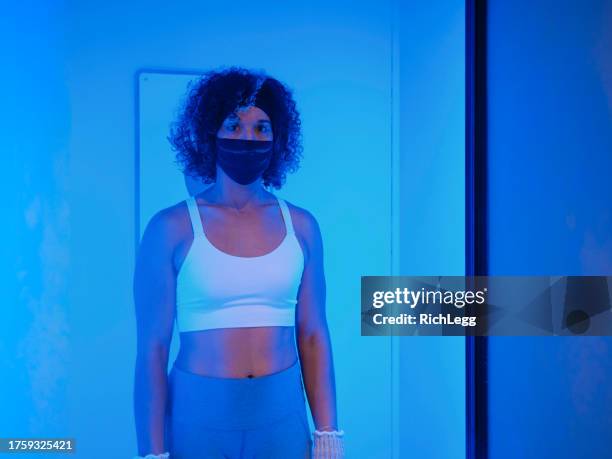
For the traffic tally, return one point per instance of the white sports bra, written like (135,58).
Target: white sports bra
(217,290)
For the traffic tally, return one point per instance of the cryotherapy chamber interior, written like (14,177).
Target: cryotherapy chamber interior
(358,178)
(380,91)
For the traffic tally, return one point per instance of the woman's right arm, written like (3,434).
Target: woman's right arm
(154,299)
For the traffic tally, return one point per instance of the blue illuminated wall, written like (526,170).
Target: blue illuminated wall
(35,347)
(431,94)
(550,207)
(381,91)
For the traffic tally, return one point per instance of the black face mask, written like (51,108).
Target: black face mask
(244,160)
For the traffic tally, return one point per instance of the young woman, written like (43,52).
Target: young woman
(241,272)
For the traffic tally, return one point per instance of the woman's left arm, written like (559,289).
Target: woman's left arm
(313,340)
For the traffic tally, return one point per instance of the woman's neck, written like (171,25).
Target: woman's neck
(238,197)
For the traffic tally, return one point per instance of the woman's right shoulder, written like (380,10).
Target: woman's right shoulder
(169,224)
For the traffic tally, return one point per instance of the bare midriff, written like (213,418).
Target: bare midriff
(246,352)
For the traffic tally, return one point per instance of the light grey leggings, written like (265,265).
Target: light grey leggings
(237,418)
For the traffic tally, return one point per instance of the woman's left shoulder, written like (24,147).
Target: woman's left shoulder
(304,222)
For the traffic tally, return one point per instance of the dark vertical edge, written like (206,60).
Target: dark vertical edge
(469,137)
(481,192)
(476,242)
(476,256)
(481,239)
(470,435)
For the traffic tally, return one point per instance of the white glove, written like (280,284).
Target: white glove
(328,445)
(154,456)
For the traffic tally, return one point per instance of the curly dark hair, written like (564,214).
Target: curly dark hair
(215,95)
